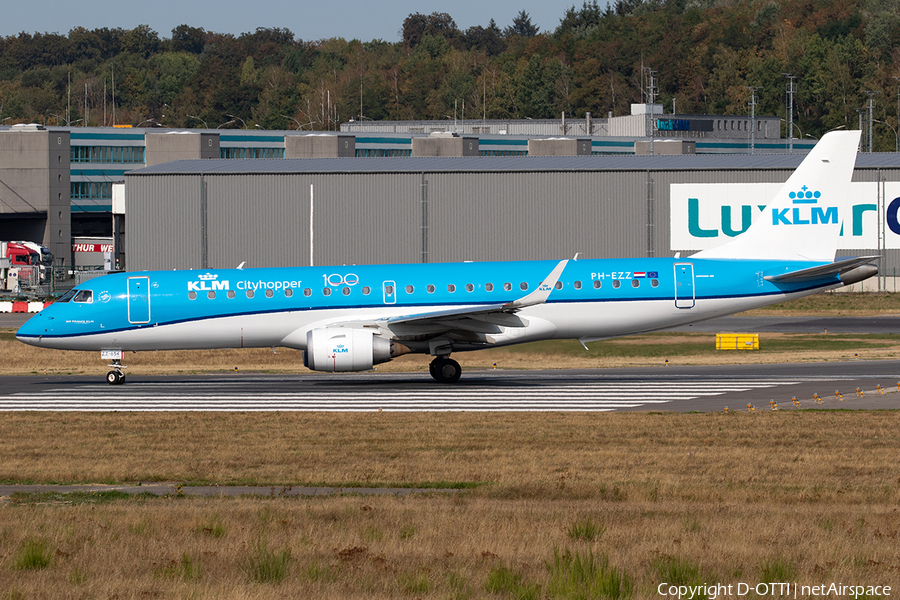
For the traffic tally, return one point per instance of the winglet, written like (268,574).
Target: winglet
(540,295)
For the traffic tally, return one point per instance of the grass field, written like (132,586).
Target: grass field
(558,505)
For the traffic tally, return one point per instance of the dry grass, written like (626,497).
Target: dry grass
(834,304)
(810,497)
(645,350)
(730,495)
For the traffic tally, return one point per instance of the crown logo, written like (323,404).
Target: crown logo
(805,196)
(208,276)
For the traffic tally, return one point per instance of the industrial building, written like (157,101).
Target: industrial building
(221,213)
(426,191)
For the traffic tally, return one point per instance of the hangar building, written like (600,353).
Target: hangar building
(219,213)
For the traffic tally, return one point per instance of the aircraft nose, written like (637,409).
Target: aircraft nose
(32,330)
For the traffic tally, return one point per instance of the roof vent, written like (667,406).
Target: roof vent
(27,127)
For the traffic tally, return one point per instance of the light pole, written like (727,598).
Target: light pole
(205,126)
(829,131)
(238,118)
(294,120)
(896,134)
(791,131)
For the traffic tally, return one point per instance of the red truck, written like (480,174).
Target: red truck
(23,271)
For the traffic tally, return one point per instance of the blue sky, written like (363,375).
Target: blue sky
(348,19)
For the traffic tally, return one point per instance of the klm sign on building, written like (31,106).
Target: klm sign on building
(702,215)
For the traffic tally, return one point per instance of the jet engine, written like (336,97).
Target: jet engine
(345,349)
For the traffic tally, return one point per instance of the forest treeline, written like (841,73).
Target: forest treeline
(706,54)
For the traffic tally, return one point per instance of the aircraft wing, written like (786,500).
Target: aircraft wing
(838,267)
(464,323)
(493,312)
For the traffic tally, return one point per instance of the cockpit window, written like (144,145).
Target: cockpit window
(84,296)
(68,295)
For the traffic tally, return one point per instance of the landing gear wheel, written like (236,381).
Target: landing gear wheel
(115,378)
(445,370)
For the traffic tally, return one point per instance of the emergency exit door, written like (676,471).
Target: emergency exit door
(138,299)
(684,285)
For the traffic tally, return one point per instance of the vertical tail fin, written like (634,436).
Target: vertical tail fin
(803,221)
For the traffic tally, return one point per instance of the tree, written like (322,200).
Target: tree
(587,17)
(417,25)
(188,39)
(141,40)
(521,26)
(486,39)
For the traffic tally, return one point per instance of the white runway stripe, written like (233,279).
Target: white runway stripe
(349,394)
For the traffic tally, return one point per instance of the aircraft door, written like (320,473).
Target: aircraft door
(389,289)
(684,285)
(138,299)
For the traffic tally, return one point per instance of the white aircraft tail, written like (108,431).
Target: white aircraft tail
(804,219)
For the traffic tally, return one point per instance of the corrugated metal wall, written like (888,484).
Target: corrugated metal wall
(371,218)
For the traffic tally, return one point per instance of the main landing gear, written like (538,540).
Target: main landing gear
(445,370)
(116,376)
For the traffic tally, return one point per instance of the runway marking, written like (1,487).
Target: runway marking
(346,396)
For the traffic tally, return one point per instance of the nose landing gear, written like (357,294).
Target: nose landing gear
(445,370)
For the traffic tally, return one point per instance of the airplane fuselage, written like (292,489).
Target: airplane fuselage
(232,308)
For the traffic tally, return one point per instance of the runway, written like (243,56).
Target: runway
(679,389)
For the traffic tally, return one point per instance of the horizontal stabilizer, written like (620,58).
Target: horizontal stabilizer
(821,272)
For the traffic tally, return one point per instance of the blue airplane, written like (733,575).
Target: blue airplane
(349,318)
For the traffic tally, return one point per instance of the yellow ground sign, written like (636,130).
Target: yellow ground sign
(737,341)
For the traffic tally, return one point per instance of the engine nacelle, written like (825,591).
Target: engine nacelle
(345,349)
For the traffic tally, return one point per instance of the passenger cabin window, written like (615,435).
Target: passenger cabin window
(451,288)
(577,285)
(345,291)
(654,282)
(249,293)
(597,284)
(558,285)
(326,292)
(635,283)
(489,287)
(616,283)
(288,292)
(269,293)
(430,289)
(410,289)
(192,295)
(523,286)
(366,290)
(507,286)
(230,294)
(85,296)
(470,287)
(211,295)
(307,292)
